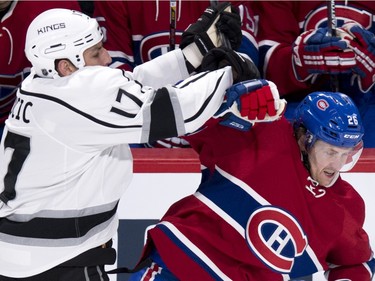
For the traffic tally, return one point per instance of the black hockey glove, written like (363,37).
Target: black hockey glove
(229,25)
(243,69)
(218,26)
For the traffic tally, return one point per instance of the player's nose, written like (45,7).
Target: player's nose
(106,58)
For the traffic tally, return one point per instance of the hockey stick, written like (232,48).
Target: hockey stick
(172,25)
(332,24)
(222,38)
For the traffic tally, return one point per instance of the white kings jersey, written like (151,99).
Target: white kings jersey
(64,158)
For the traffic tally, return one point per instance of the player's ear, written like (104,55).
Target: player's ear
(300,135)
(302,142)
(64,67)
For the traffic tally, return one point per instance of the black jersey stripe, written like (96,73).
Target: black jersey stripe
(88,116)
(55,228)
(197,77)
(206,102)
(186,83)
(163,123)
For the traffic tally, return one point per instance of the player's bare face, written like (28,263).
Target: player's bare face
(326,161)
(97,55)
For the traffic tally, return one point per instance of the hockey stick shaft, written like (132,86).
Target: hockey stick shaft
(332,24)
(223,39)
(332,21)
(172,26)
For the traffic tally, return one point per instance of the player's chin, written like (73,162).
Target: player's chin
(327,178)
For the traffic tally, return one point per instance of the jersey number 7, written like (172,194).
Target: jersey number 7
(21,149)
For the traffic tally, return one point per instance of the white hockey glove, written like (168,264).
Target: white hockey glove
(218,26)
(250,102)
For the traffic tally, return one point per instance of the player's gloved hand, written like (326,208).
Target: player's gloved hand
(249,102)
(316,52)
(242,68)
(363,45)
(229,28)
(218,24)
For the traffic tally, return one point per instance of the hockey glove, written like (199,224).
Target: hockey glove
(214,28)
(315,52)
(250,102)
(363,45)
(229,28)
(242,68)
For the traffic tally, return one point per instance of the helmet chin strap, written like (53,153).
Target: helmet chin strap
(305,160)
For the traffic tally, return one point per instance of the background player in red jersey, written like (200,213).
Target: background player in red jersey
(65,161)
(298,53)
(272,204)
(132,39)
(15,17)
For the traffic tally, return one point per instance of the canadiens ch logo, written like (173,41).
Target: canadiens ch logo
(276,238)
(156,44)
(322,104)
(318,18)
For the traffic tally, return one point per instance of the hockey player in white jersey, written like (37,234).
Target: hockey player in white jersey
(64,156)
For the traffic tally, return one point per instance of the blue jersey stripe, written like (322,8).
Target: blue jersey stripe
(223,192)
(193,256)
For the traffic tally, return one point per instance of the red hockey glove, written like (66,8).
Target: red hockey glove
(250,102)
(315,52)
(363,45)
(217,25)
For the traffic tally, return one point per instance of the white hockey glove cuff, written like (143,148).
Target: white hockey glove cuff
(204,35)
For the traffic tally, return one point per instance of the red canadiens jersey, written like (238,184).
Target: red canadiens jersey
(281,22)
(14,65)
(132,39)
(260,216)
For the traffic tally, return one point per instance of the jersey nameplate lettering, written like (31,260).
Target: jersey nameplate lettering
(20,110)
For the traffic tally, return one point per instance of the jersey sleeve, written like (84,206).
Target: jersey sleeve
(351,257)
(249,44)
(278,29)
(360,272)
(190,103)
(167,69)
(125,108)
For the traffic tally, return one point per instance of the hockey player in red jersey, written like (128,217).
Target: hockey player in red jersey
(65,161)
(132,39)
(15,17)
(272,204)
(299,54)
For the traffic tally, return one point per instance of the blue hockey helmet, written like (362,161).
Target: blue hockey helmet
(331,117)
